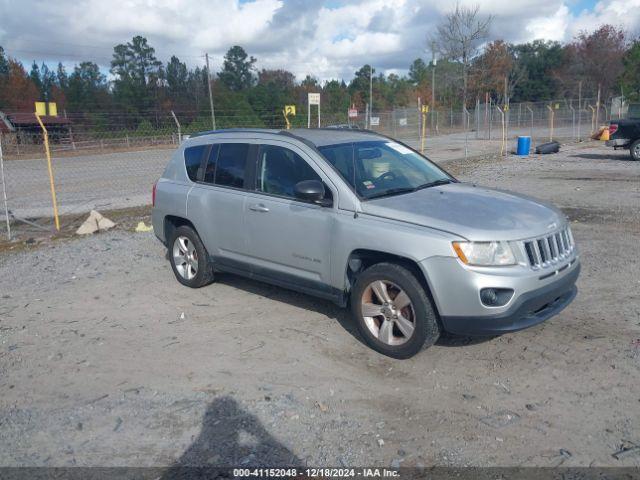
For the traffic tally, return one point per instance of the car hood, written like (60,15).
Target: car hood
(475,213)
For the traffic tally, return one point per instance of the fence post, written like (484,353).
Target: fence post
(425,109)
(465,119)
(4,191)
(503,139)
(579,121)
(175,119)
(573,123)
(477,112)
(45,136)
(550,122)
(531,129)
(593,119)
(490,116)
(519,113)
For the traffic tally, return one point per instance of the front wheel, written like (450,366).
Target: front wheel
(393,312)
(189,259)
(635,150)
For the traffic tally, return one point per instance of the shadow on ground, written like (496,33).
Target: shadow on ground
(325,307)
(230,437)
(299,300)
(603,156)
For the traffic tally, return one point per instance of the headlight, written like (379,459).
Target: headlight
(485,253)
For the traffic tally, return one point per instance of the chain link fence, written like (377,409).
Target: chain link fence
(111,160)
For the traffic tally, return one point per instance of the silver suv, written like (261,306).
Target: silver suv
(361,219)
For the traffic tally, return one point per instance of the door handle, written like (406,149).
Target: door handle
(259,208)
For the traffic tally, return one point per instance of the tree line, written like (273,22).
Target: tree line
(142,88)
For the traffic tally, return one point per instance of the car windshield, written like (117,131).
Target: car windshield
(383,168)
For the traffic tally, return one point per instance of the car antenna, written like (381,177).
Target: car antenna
(355,190)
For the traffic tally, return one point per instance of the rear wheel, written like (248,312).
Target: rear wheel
(189,259)
(635,150)
(392,311)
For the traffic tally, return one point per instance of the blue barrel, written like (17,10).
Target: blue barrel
(524,145)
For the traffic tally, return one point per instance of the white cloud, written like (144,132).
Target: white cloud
(552,27)
(307,37)
(619,13)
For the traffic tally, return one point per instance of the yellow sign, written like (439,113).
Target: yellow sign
(41,108)
(425,108)
(289,109)
(506,108)
(557,106)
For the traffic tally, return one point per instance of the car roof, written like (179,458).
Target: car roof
(318,137)
(332,136)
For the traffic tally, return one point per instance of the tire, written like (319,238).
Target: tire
(549,147)
(391,338)
(195,270)
(634,150)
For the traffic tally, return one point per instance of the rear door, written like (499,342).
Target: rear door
(289,239)
(216,202)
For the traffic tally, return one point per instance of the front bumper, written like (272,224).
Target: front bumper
(538,294)
(527,310)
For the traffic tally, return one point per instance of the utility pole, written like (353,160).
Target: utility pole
(370,93)
(579,109)
(213,115)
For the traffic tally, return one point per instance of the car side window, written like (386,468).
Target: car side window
(210,166)
(226,163)
(231,163)
(279,169)
(192,160)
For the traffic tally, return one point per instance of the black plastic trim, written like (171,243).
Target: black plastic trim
(284,280)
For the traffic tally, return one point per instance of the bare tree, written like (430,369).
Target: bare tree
(460,35)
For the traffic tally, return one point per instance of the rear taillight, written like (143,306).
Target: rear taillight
(153,194)
(613,128)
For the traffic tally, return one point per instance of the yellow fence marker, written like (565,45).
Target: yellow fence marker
(288,110)
(45,135)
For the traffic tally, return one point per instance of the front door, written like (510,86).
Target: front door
(289,239)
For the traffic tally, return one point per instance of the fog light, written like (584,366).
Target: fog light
(495,297)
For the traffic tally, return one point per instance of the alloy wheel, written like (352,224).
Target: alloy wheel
(387,312)
(185,257)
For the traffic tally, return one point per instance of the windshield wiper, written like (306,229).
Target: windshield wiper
(392,191)
(400,190)
(435,183)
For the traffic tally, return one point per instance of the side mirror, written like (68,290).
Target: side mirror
(311,191)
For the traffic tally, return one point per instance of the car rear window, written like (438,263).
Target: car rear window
(192,160)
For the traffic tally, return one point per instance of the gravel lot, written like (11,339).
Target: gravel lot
(106,360)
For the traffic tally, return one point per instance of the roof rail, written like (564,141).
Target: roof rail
(237,130)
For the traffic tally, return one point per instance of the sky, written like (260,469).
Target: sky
(327,39)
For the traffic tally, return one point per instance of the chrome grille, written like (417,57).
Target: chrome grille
(550,249)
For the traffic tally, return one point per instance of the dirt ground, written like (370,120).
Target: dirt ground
(106,360)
